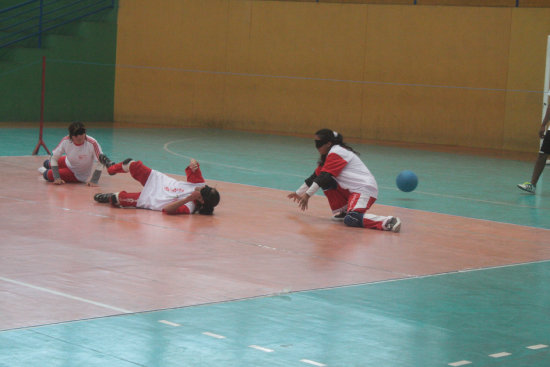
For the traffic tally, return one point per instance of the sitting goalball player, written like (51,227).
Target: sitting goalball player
(161,192)
(77,158)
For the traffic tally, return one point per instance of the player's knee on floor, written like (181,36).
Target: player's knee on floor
(354,219)
(45,174)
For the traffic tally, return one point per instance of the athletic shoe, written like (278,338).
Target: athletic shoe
(528,186)
(117,167)
(42,170)
(104,160)
(46,164)
(103,198)
(393,224)
(339,217)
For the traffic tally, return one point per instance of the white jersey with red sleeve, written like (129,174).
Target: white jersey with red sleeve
(349,171)
(80,158)
(161,190)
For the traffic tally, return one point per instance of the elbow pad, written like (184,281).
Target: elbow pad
(310,179)
(326,181)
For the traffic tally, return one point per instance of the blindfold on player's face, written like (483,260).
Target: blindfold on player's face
(319,143)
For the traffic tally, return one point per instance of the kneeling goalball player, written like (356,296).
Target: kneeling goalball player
(161,192)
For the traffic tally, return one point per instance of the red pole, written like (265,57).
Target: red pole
(42,98)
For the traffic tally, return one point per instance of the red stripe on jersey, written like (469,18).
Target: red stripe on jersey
(94,143)
(61,142)
(334,164)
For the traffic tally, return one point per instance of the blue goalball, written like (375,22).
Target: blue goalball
(406,181)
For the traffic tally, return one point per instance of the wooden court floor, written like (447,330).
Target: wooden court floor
(260,283)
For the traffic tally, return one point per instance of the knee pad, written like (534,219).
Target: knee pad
(354,219)
(45,174)
(47,164)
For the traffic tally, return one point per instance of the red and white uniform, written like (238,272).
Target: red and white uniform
(357,189)
(160,189)
(349,171)
(80,159)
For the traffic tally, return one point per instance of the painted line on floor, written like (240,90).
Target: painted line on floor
(224,165)
(500,355)
(459,363)
(75,298)
(308,361)
(537,346)
(217,336)
(169,323)
(267,350)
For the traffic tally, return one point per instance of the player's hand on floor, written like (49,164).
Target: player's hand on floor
(58,182)
(294,196)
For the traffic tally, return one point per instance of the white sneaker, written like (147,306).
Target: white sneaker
(393,224)
(42,170)
(528,186)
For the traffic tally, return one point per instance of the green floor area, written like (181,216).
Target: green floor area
(487,318)
(463,185)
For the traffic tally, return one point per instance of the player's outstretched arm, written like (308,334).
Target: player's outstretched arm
(172,208)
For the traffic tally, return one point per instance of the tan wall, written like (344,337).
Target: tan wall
(420,74)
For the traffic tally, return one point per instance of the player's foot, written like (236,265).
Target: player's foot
(46,164)
(339,217)
(104,160)
(103,198)
(42,170)
(528,186)
(118,167)
(393,224)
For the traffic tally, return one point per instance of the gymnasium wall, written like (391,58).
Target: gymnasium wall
(79,82)
(463,76)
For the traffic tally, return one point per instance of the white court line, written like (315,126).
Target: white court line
(224,165)
(217,336)
(537,346)
(267,350)
(459,363)
(500,355)
(169,323)
(308,361)
(65,295)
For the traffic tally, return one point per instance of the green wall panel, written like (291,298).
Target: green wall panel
(80,71)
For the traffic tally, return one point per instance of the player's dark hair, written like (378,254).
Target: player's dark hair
(77,128)
(210,198)
(328,135)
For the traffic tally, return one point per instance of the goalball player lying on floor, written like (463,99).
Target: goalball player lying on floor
(161,192)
